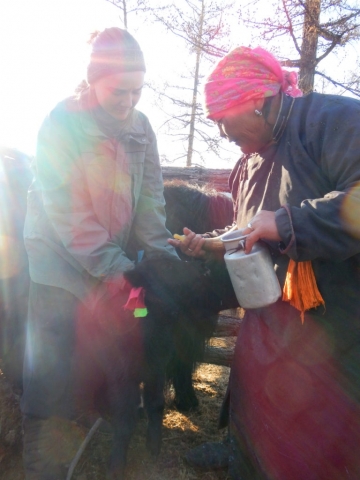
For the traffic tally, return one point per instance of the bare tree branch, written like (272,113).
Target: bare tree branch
(346,86)
(291,30)
(314,37)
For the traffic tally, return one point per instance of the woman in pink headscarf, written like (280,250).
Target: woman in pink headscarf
(293,402)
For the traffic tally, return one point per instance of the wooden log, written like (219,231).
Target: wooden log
(219,355)
(226,332)
(218,178)
(227,326)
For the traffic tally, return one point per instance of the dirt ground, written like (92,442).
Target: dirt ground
(180,433)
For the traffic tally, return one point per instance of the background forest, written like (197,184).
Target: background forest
(181,40)
(316,37)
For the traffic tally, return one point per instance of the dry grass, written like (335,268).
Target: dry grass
(180,433)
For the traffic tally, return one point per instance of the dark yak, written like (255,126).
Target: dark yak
(200,208)
(183,305)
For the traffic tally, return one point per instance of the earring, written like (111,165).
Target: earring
(258,113)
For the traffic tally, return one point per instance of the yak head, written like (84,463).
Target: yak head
(178,290)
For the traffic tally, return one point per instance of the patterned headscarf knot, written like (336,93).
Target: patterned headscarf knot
(246,74)
(290,84)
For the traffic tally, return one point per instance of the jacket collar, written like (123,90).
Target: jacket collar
(285,110)
(97,123)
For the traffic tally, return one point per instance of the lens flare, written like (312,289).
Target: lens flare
(10,258)
(350,211)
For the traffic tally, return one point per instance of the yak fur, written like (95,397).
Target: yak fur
(183,305)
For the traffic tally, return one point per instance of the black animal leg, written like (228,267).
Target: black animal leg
(185,396)
(124,404)
(154,404)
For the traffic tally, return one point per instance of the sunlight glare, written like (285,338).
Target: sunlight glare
(350,210)
(10,259)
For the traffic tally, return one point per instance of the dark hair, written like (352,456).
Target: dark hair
(267,106)
(114,50)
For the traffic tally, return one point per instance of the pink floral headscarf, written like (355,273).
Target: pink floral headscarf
(245,74)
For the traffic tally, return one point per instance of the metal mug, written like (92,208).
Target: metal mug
(252,274)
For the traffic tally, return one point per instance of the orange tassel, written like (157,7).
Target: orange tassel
(300,287)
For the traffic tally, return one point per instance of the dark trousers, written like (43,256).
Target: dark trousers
(70,352)
(50,338)
(50,439)
(68,348)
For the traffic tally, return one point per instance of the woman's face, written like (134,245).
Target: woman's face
(242,126)
(119,93)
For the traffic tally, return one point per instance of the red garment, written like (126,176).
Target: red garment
(289,407)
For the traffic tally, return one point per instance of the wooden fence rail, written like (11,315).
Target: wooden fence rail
(218,178)
(220,350)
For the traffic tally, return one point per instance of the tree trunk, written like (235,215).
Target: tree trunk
(125,14)
(195,90)
(308,60)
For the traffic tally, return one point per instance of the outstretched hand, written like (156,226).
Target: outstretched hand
(262,226)
(191,243)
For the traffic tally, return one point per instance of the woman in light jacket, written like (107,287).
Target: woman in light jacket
(97,200)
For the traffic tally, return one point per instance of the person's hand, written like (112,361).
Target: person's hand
(261,226)
(191,243)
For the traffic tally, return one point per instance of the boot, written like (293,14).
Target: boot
(209,456)
(49,445)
